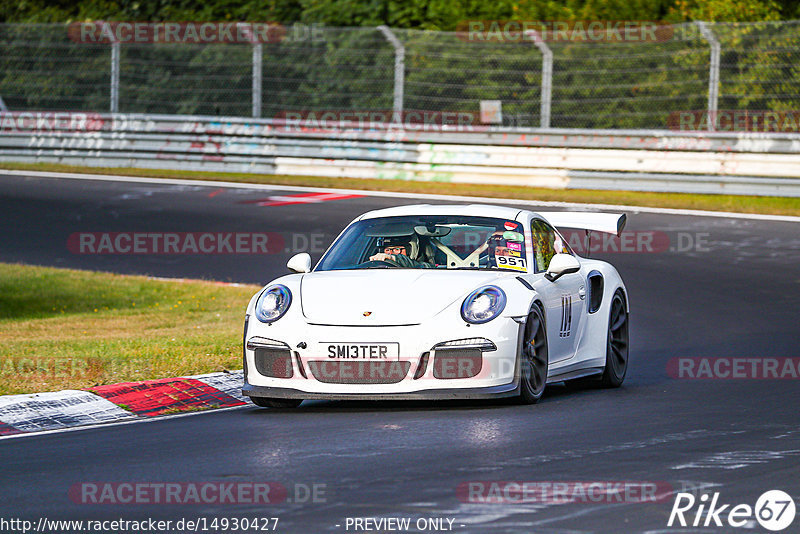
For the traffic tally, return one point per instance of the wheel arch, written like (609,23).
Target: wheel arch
(536,301)
(623,290)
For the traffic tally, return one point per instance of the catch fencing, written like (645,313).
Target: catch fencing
(538,82)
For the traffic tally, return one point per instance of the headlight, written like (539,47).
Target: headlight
(483,305)
(273,303)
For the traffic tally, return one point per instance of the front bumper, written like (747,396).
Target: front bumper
(498,375)
(491,392)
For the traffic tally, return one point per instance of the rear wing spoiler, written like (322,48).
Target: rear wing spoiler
(608,223)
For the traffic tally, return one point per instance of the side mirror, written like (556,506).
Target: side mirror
(300,263)
(562,264)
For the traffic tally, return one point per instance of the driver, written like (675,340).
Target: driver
(499,245)
(402,250)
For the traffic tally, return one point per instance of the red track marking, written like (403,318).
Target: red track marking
(304,198)
(7,430)
(215,193)
(154,397)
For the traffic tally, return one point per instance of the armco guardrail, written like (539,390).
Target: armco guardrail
(743,163)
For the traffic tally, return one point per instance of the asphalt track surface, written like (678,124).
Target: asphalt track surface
(736,295)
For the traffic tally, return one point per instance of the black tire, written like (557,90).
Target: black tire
(264,402)
(617,343)
(534,358)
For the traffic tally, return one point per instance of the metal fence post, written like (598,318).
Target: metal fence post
(713,73)
(257,55)
(399,71)
(547,78)
(114,77)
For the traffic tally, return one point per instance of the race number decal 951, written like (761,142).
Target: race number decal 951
(510,262)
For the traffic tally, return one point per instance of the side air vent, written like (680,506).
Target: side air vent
(595,282)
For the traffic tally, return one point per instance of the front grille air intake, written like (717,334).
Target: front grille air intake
(359,372)
(272,358)
(452,363)
(273,362)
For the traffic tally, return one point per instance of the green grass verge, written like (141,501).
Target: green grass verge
(733,203)
(62,328)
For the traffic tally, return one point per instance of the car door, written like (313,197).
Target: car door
(564,297)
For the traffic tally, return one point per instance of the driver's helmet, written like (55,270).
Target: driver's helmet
(496,240)
(407,245)
(502,242)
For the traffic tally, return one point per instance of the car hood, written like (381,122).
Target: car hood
(385,297)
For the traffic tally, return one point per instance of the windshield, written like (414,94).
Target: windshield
(429,242)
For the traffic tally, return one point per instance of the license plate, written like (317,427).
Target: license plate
(361,351)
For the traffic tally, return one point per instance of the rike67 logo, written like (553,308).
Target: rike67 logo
(774,510)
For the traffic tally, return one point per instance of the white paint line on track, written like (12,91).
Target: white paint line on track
(737,459)
(195,280)
(393,194)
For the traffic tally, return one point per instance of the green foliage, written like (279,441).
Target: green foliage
(419,14)
(726,10)
(41,69)
(159,10)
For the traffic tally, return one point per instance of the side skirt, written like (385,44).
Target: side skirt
(579,373)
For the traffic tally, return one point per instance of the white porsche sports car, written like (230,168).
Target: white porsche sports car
(440,302)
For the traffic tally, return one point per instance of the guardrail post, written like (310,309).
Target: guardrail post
(257,63)
(114,77)
(547,78)
(399,71)
(713,72)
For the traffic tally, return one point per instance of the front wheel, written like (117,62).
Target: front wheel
(265,402)
(617,343)
(533,360)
